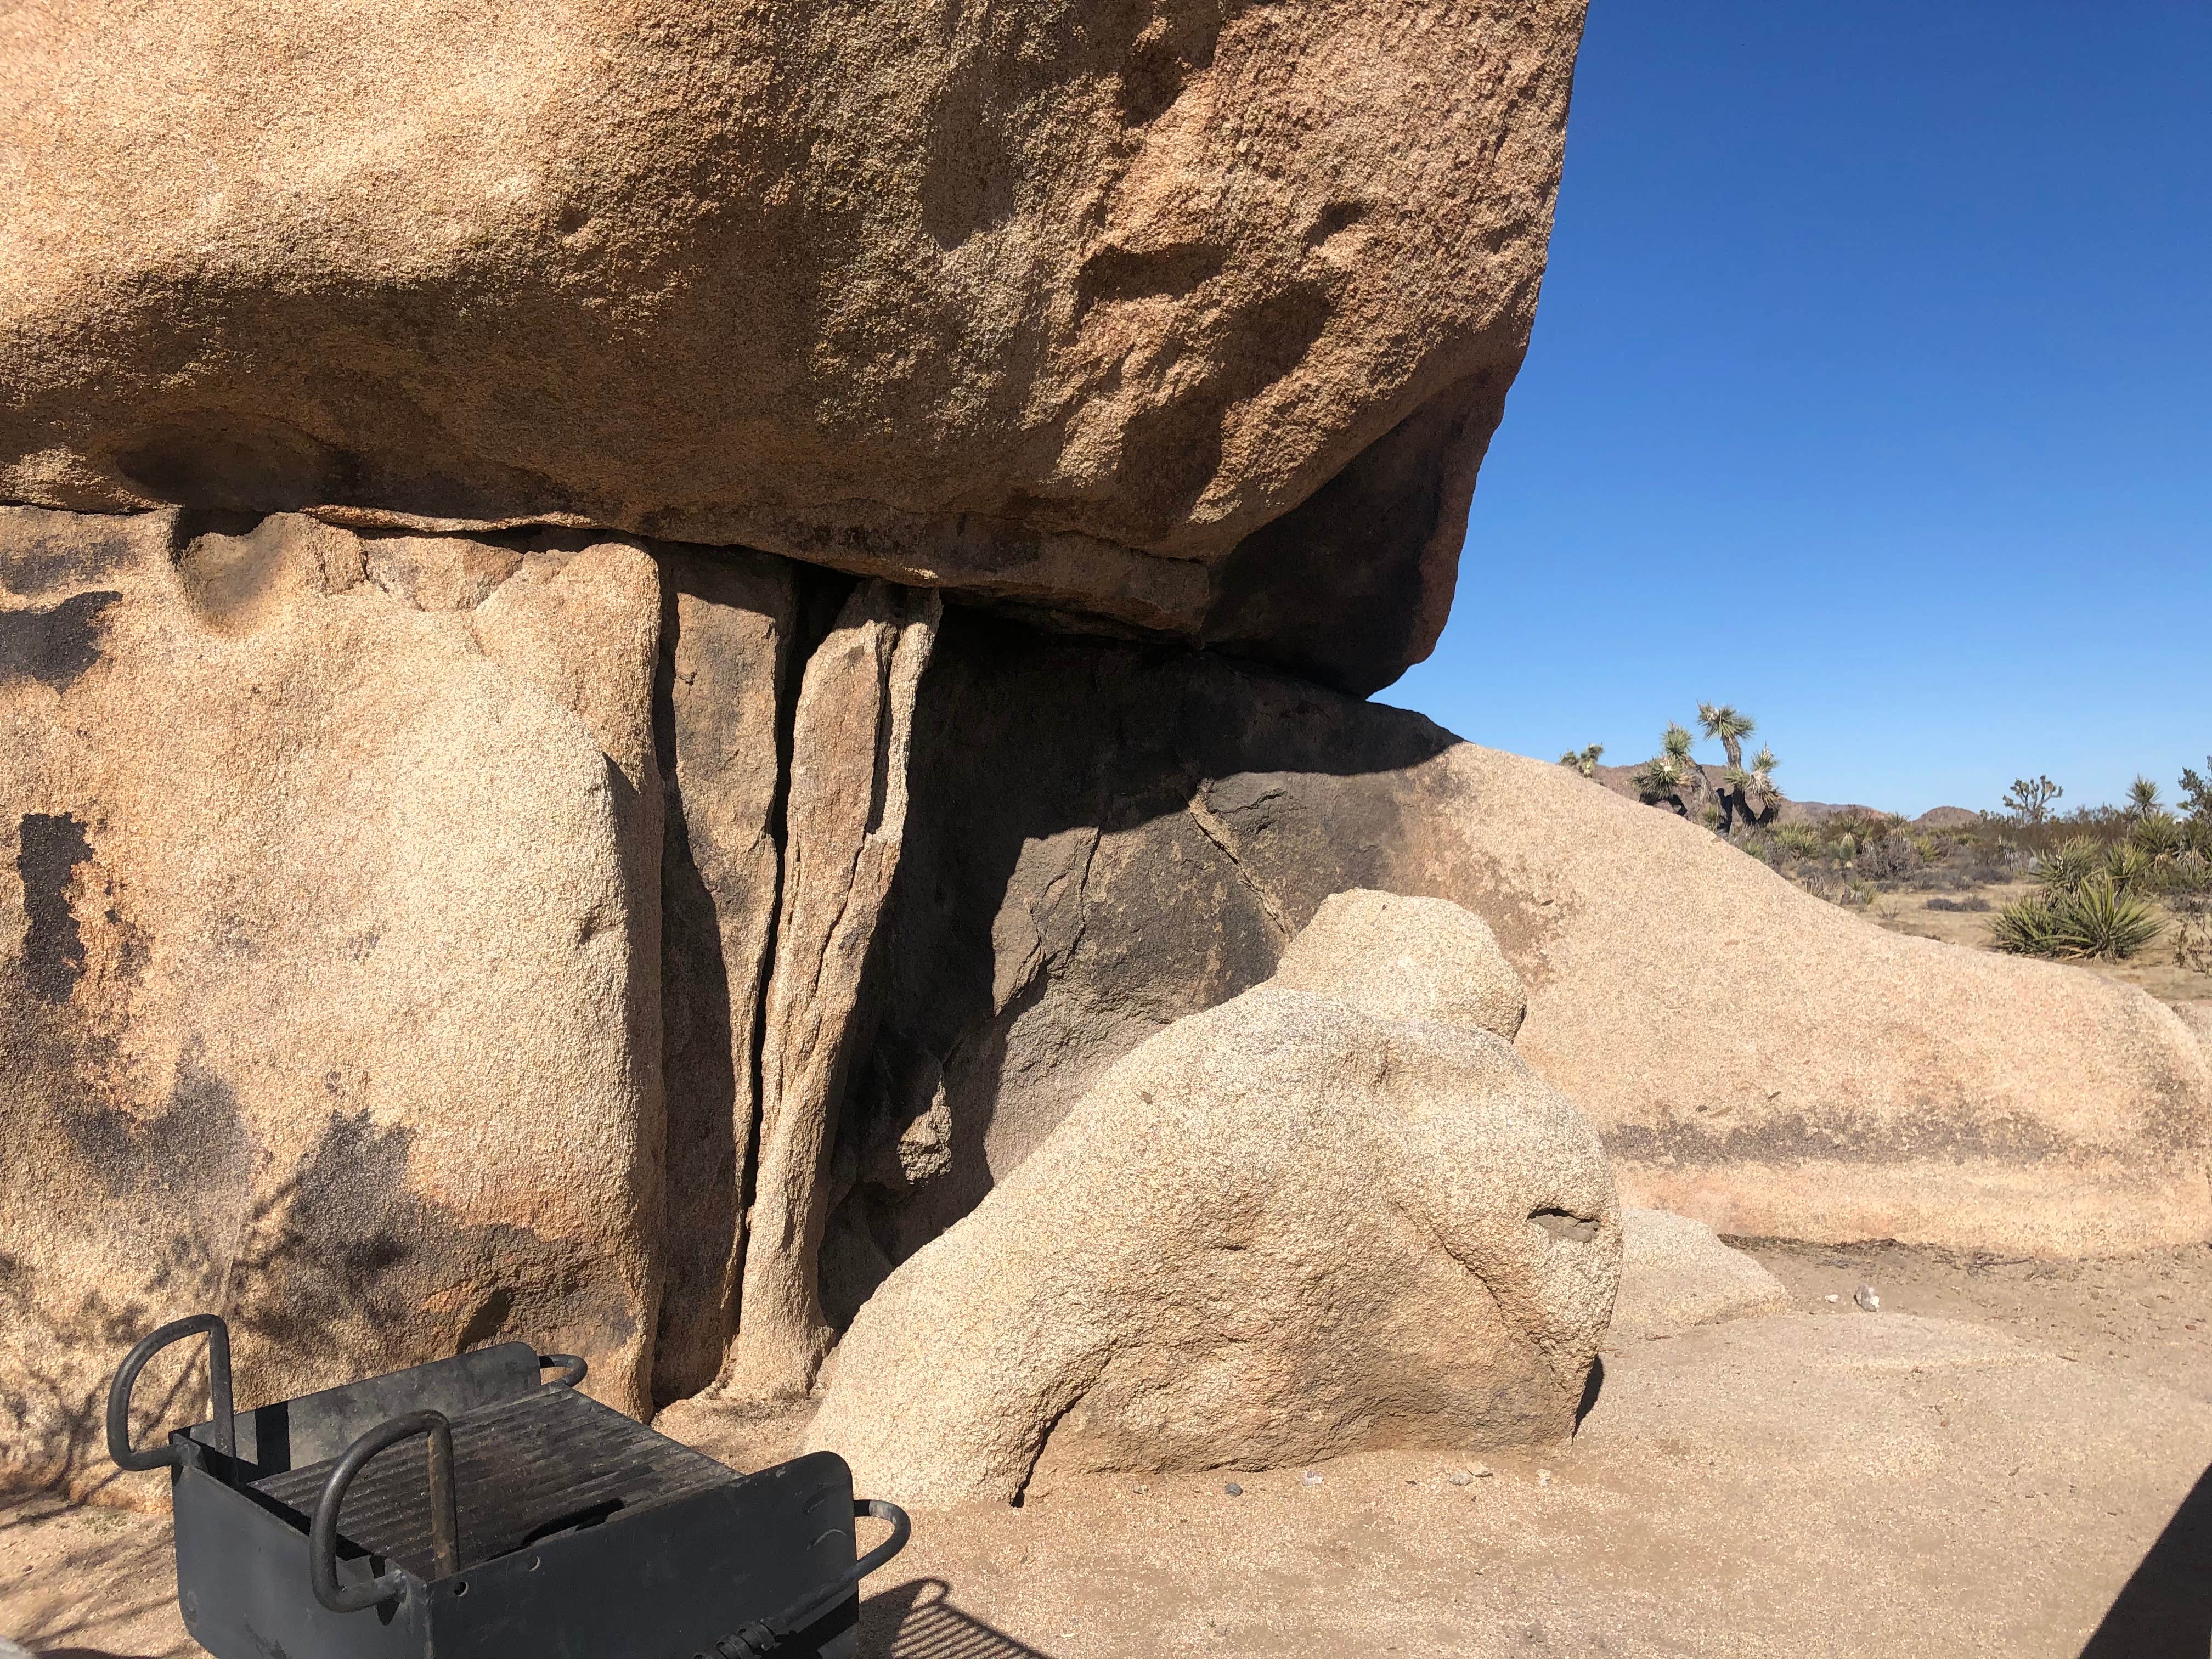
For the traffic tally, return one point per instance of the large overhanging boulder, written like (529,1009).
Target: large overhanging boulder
(1182,318)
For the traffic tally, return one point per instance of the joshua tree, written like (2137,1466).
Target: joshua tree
(1746,792)
(1689,777)
(2143,797)
(1757,796)
(2029,799)
(1730,727)
(1660,781)
(1585,761)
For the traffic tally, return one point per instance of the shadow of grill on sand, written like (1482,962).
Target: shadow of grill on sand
(920,1620)
(2165,1609)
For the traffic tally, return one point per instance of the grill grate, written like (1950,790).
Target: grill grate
(523,1470)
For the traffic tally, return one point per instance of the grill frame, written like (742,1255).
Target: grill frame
(696,1559)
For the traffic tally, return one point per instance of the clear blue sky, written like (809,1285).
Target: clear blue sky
(1871,390)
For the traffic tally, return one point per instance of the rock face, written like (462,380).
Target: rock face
(322,1002)
(846,816)
(1174,316)
(728,624)
(1675,1273)
(1282,1230)
(1121,838)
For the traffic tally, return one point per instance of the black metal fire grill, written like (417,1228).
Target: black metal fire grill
(532,1522)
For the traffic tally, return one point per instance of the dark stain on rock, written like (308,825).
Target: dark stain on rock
(1789,1138)
(40,550)
(347,1259)
(55,645)
(195,1152)
(49,847)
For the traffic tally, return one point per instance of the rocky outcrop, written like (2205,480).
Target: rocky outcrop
(1285,1229)
(1675,1273)
(1121,838)
(1172,318)
(847,818)
(322,1000)
(413,935)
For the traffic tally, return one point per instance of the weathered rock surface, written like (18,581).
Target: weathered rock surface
(1406,958)
(1121,838)
(727,629)
(846,819)
(321,998)
(1287,1228)
(1175,316)
(1675,1273)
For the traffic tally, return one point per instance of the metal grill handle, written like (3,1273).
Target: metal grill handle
(445,1526)
(756,1641)
(126,1379)
(572,1367)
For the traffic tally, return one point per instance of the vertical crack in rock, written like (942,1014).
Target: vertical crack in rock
(845,823)
(728,622)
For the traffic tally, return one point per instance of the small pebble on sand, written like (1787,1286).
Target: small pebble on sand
(1459,1477)
(1234,1490)
(1543,1477)
(1866,1299)
(1831,1299)
(1311,1478)
(1480,1470)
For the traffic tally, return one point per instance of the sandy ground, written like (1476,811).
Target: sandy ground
(2010,1458)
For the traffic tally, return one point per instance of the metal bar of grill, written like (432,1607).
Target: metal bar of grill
(523,1472)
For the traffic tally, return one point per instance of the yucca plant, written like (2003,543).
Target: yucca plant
(2067,866)
(1584,760)
(2026,928)
(2157,834)
(2143,797)
(2093,920)
(2129,868)
(1802,839)
(2101,920)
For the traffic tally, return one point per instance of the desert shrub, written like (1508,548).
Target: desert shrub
(1710,815)
(1976,902)
(2096,919)
(2189,872)
(2192,944)
(1890,859)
